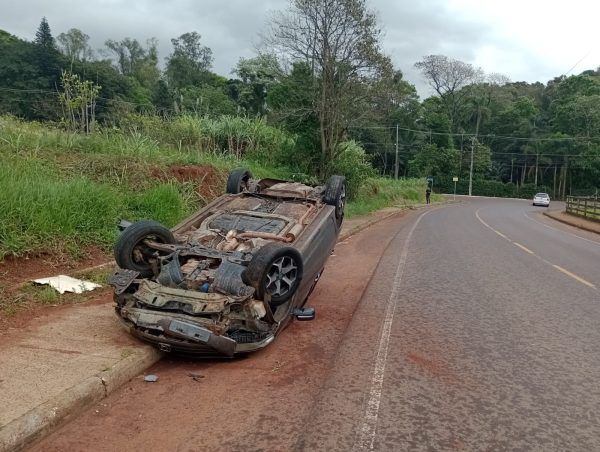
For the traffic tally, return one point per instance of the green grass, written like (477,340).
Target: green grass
(62,191)
(378,192)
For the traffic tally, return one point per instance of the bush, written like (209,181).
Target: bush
(352,162)
(489,188)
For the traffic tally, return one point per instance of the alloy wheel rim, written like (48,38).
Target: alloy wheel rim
(281,276)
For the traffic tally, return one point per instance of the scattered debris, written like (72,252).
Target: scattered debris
(195,377)
(278,365)
(151,378)
(64,284)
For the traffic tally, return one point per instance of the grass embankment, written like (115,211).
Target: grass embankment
(378,193)
(62,192)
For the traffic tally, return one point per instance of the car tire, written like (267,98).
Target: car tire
(237,182)
(335,195)
(130,251)
(275,270)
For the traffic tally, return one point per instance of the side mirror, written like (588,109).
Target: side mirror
(304,314)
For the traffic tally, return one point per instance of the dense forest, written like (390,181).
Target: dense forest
(335,91)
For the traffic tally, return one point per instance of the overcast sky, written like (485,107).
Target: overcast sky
(531,40)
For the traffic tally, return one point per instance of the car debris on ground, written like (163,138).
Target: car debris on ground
(63,283)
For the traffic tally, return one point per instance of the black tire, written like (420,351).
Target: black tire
(267,273)
(335,195)
(238,180)
(130,251)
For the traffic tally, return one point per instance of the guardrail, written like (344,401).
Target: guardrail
(584,206)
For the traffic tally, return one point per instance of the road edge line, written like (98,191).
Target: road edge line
(368,429)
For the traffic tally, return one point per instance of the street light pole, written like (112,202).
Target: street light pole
(471,170)
(396,161)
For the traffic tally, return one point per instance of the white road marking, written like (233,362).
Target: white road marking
(557,267)
(366,437)
(560,230)
(527,250)
(501,235)
(574,276)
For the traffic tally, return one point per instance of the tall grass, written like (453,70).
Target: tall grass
(63,191)
(233,135)
(40,210)
(378,192)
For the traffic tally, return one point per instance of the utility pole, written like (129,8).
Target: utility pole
(537,158)
(396,162)
(471,169)
(473,150)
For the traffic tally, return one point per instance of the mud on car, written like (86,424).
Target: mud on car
(228,279)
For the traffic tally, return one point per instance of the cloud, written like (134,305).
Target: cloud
(539,43)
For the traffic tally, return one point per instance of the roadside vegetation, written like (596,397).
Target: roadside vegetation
(63,191)
(116,134)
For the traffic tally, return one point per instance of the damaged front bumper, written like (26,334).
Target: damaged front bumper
(189,322)
(173,335)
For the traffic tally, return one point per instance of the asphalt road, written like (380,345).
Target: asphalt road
(462,327)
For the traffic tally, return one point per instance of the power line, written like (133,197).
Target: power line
(467,135)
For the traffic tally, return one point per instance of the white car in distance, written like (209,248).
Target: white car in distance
(541,199)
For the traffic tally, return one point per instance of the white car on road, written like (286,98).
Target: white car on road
(541,199)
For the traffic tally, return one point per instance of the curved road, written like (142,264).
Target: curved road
(463,327)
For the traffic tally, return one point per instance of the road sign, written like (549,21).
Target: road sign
(455,180)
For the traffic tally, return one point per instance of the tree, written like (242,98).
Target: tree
(391,101)
(43,36)
(291,108)
(78,98)
(74,45)
(136,61)
(162,97)
(47,62)
(205,101)
(339,40)
(433,161)
(190,62)
(258,75)
(447,76)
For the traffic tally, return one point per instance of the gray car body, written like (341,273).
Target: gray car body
(312,229)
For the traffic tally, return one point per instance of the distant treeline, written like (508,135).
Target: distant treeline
(542,135)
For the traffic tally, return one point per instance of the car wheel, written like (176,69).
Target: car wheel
(237,181)
(275,270)
(132,253)
(335,195)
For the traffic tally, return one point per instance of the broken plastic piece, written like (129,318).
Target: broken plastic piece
(151,378)
(64,284)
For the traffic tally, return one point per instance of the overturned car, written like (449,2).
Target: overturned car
(228,279)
